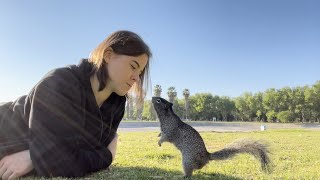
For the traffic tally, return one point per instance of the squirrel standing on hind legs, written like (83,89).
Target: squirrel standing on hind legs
(191,145)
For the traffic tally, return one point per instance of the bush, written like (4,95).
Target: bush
(285,116)
(271,115)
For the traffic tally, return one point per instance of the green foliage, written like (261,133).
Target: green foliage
(301,103)
(271,100)
(271,115)
(242,105)
(178,107)
(285,116)
(148,112)
(312,97)
(203,107)
(225,106)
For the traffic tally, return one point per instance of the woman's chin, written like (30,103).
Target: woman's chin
(121,93)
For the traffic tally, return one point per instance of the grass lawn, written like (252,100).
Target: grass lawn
(295,155)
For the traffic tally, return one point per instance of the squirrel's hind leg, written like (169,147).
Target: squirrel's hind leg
(187,167)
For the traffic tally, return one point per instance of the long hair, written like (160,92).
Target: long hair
(122,43)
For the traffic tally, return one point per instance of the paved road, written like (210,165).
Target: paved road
(215,126)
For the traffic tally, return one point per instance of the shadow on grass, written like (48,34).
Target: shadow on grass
(141,173)
(138,173)
(159,156)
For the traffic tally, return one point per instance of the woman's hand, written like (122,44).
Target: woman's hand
(113,146)
(15,165)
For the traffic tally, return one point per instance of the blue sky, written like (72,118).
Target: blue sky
(224,47)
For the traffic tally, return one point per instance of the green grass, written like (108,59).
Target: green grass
(295,155)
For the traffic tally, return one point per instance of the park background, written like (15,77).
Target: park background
(237,60)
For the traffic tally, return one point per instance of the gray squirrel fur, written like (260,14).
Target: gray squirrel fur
(191,145)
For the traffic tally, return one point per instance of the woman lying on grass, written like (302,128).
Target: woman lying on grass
(66,126)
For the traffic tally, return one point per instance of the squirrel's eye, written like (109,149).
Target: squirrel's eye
(158,100)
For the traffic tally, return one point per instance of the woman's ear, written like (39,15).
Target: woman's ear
(107,54)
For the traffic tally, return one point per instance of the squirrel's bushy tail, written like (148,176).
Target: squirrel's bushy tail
(255,148)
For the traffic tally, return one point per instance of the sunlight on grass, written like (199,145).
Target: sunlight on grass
(295,155)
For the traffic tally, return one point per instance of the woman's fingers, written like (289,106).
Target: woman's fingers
(13,176)
(7,174)
(2,170)
(15,165)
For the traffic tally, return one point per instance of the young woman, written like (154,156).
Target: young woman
(66,126)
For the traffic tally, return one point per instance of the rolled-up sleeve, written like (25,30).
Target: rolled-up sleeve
(56,123)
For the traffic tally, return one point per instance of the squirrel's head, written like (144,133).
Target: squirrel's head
(161,105)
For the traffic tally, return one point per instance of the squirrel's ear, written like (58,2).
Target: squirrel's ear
(168,105)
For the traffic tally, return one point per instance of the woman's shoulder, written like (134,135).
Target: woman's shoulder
(61,76)
(59,82)
(71,74)
(61,72)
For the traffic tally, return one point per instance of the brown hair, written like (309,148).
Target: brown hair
(123,43)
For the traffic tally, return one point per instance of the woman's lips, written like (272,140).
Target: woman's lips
(129,85)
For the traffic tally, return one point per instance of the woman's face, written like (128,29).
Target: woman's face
(124,71)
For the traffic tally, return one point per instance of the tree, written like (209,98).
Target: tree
(285,99)
(139,110)
(285,116)
(299,107)
(203,106)
(157,93)
(178,107)
(157,90)
(271,116)
(148,111)
(225,106)
(172,94)
(312,96)
(261,111)
(242,105)
(186,94)
(271,102)
(129,107)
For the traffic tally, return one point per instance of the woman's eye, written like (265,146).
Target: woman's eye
(133,67)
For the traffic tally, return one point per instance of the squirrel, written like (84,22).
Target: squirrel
(191,144)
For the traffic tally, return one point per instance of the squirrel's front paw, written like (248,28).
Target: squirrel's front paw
(159,143)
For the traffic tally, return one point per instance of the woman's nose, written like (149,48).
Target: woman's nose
(136,77)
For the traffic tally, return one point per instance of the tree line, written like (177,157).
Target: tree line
(297,104)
